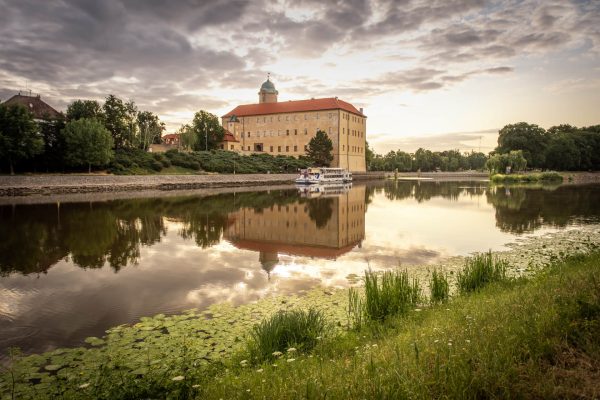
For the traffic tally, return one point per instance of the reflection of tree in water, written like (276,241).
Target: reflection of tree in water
(320,211)
(525,209)
(424,191)
(35,237)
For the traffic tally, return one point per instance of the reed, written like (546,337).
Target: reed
(389,293)
(298,329)
(480,271)
(439,289)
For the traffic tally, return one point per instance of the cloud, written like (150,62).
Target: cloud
(464,141)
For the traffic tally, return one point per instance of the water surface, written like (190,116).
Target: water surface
(72,270)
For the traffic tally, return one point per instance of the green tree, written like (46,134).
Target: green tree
(529,138)
(150,128)
(187,137)
(115,113)
(319,149)
(88,142)
(369,156)
(19,136)
(209,133)
(84,109)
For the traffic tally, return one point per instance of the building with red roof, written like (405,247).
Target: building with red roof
(286,127)
(40,110)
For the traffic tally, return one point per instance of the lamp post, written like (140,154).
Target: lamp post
(206,135)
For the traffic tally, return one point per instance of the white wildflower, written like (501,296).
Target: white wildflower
(259,370)
(291,350)
(84,385)
(291,360)
(178,378)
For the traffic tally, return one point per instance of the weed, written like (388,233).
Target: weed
(479,271)
(438,287)
(389,293)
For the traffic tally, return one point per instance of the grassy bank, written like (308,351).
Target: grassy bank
(134,161)
(544,177)
(536,337)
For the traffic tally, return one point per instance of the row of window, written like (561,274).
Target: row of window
(288,132)
(259,147)
(316,115)
(352,149)
(353,132)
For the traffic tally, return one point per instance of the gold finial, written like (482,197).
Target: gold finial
(268,75)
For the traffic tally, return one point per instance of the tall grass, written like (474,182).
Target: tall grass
(479,271)
(389,293)
(439,289)
(299,329)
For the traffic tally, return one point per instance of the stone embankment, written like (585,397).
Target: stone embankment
(25,185)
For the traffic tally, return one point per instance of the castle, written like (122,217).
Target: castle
(285,128)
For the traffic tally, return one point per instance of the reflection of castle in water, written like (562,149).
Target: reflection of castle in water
(324,227)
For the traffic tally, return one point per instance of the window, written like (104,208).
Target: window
(343,148)
(295,148)
(243,134)
(343,131)
(279,149)
(279,118)
(231,147)
(305,116)
(271,119)
(330,115)
(248,134)
(287,149)
(264,119)
(295,131)
(287,117)
(248,148)
(287,132)
(271,149)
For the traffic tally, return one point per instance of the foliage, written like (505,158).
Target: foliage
(320,149)
(209,133)
(187,137)
(389,293)
(529,138)
(439,288)
(115,113)
(84,109)
(136,161)
(426,160)
(499,163)
(548,177)
(480,271)
(150,129)
(286,329)
(51,158)
(19,136)
(87,143)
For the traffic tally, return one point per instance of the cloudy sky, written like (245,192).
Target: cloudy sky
(439,74)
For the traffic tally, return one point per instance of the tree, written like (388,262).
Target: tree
(369,156)
(529,138)
(88,142)
(498,163)
(187,137)
(209,133)
(19,136)
(84,109)
(319,149)
(116,115)
(150,128)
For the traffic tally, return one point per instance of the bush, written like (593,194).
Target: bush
(286,329)
(438,287)
(480,271)
(390,293)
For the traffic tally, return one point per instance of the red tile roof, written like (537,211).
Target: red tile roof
(228,137)
(36,106)
(171,136)
(330,103)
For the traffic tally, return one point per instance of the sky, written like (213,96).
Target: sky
(441,74)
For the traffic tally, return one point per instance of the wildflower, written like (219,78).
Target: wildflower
(436,340)
(243,363)
(277,354)
(468,341)
(417,309)
(291,360)
(318,337)
(274,365)
(259,370)
(375,345)
(247,390)
(84,385)
(291,350)
(449,343)
(178,378)
(264,380)
(195,386)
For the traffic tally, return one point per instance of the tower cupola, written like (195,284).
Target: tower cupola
(267,93)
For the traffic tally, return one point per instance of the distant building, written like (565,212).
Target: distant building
(169,142)
(286,127)
(229,141)
(171,139)
(41,110)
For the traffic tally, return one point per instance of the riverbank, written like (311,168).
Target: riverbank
(27,185)
(171,355)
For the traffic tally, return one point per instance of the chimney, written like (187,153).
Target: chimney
(361,110)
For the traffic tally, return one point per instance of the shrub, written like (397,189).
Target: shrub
(480,271)
(438,287)
(389,293)
(156,166)
(299,329)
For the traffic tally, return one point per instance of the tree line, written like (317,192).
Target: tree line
(520,146)
(89,135)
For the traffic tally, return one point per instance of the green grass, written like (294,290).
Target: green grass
(534,338)
(548,177)
(480,271)
(439,288)
(298,330)
(389,293)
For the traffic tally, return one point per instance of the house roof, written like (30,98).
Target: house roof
(228,137)
(171,136)
(329,103)
(39,108)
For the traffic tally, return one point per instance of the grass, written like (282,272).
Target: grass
(549,177)
(480,271)
(299,330)
(439,288)
(389,293)
(536,338)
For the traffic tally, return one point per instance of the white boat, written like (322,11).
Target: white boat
(311,176)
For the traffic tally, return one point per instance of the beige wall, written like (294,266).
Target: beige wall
(289,133)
